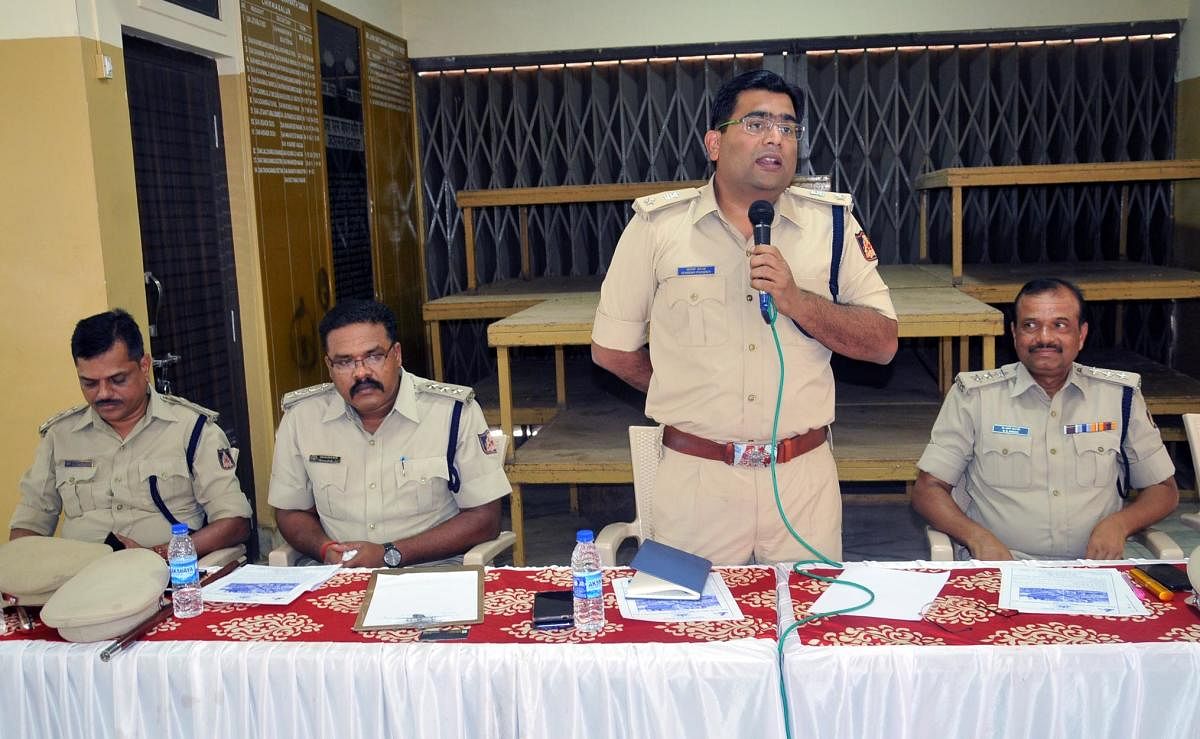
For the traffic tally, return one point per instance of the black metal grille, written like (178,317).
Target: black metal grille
(875,118)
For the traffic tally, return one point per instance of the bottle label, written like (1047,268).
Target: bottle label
(588,584)
(184,572)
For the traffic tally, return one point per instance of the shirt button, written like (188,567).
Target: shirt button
(1054,414)
(372,486)
(751,397)
(370,526)
(371,442)
(752,347)
(1054,451)
(71,480)
(1003,451)
(749,298)
(1055,493)
(120,507)
(695,296)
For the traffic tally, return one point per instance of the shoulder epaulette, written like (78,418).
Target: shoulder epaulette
(60,416)
(1129,379)
(457,392)
(971,380)
(649,203)
(290,399)
(199,409)
(825,198)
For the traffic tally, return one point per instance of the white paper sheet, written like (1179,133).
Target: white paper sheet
(413,599)
(716,603)
(265,585)
(1068,590)
(899,594)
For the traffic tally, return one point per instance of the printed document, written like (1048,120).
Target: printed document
(716,603)
(274,586)
(1068,590)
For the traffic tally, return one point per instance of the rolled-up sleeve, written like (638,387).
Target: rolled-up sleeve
(623,316)
(952,441)
(40,501)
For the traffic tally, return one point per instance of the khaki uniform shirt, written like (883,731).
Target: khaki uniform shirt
(680,278)
(391,484)
(1029,471)
(100,482)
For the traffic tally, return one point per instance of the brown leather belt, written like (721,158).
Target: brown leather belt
(739,454)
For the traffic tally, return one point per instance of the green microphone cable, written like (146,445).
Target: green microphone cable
(799,566)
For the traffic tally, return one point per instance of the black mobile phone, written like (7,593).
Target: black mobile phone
(1171,577)
(449,633)
(553,609)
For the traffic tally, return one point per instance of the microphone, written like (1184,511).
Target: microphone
(761,214)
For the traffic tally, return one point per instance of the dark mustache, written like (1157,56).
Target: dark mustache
(364,383)
(1055,347)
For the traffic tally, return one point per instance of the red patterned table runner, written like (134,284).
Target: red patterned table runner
(965,613)
(327,614)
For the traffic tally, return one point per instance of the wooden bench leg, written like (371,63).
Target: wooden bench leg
(945,360)
(434,328)
(573,492)
(964,354)
(517,513)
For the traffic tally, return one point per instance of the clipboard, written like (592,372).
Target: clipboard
(416,598)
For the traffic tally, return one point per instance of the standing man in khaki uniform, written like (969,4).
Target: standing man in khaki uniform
(686,276)
(380,462)
(130,462)
(1043,450)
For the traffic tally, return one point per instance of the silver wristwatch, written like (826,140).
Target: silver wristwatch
(391,555)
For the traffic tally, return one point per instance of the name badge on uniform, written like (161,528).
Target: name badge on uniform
(324,459)
(706,269)
(77,463)
(999,428)
(1089,428)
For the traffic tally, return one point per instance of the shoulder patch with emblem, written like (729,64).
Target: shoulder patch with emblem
(1118,377)
(60,416)
(457,392)
(825,198)
(647,204)
(199,409)
(487,443)
(290,399)
(973,380)
(865,246)
(225,458)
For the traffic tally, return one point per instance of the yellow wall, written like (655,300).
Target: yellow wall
(67,188)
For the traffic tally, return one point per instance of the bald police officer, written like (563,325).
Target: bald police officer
(686,276)
(1042,450)
(130,462)
(395,468)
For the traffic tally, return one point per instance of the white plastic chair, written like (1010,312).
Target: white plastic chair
(1191,426)
(221,557)
(481,554)
(645,448)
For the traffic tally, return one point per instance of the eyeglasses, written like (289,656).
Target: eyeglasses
(372,361)
(757,124)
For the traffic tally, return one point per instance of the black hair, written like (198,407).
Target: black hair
(757,79)
(97,334)
(1043,285)
(348,312)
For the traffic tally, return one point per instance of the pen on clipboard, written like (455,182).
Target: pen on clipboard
(1154,586)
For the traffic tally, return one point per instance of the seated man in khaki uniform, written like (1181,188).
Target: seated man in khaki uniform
(380,462)
(1043,451)
(130,462)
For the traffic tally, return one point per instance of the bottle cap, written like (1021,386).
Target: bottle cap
(583,536)
(178,529)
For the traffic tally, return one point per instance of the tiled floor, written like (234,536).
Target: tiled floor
(876,531)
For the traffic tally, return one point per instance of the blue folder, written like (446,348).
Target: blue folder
(668,573)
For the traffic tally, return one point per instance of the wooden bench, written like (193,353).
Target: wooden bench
(960,178)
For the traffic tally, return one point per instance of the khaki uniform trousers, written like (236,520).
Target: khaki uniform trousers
(728,514)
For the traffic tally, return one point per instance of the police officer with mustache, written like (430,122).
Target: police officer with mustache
(380,467)
(1043,453)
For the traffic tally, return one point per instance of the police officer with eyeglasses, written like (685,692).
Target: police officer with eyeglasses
(381,467)
(686,277)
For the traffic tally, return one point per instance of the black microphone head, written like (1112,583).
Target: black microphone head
(761,213)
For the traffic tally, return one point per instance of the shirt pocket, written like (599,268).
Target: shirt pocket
(696,309)
(1097,458)
(1006,460)
(172,478)
(76,489)
(421,484)
(331,494)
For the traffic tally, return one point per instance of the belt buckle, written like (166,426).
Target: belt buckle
(752,455)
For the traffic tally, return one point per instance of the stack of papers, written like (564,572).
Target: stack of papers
(276,586)
(1073,591)
(715,603)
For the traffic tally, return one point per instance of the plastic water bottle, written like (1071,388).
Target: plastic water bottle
(589,596)
(185,574)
